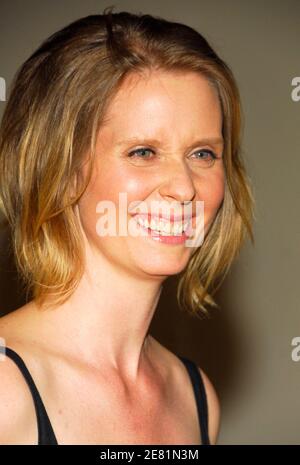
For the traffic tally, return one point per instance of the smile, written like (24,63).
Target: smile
(163,227)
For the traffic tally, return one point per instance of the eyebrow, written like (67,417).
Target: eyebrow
(150,141)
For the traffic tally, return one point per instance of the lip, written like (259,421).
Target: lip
(157,236)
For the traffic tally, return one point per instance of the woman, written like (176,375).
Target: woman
(116,104)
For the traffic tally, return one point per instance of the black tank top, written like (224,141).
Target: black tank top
(46,434)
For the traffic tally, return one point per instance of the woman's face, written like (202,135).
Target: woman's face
(168,115)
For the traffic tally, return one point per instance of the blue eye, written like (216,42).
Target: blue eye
(212,155)
(138,151)
(209,157)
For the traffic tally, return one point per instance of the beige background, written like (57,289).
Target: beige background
(246,347)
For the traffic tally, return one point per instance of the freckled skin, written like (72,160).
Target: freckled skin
(177,109)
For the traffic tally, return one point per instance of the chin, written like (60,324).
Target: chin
(164,267)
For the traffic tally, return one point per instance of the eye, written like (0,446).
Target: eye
(139,152)
(209,156)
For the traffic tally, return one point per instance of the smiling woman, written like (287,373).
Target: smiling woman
(141,106)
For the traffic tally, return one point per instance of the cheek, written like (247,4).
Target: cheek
(211,190)
(106,184)
(133,183)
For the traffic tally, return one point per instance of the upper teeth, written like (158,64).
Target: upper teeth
(163,226)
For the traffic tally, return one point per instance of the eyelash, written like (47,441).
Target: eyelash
(133,152)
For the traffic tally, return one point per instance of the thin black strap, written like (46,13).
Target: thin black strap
(46,434)
(200,395)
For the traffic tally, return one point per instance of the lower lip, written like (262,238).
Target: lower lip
(156,236)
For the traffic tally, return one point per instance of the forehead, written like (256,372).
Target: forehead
(163,103)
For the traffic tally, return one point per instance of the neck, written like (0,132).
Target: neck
(106,320)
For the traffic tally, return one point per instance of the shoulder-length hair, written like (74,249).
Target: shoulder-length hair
(56,106)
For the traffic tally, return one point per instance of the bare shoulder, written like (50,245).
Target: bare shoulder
(16,403)
(16,328)
(171,361)
(11,326)
(213,406)
(16,399)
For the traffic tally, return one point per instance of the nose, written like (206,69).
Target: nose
(178,183)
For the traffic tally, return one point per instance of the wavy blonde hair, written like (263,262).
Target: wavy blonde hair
(56,106)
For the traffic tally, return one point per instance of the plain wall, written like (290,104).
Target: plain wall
(246,346)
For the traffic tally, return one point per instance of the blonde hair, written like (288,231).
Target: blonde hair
(56,106)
